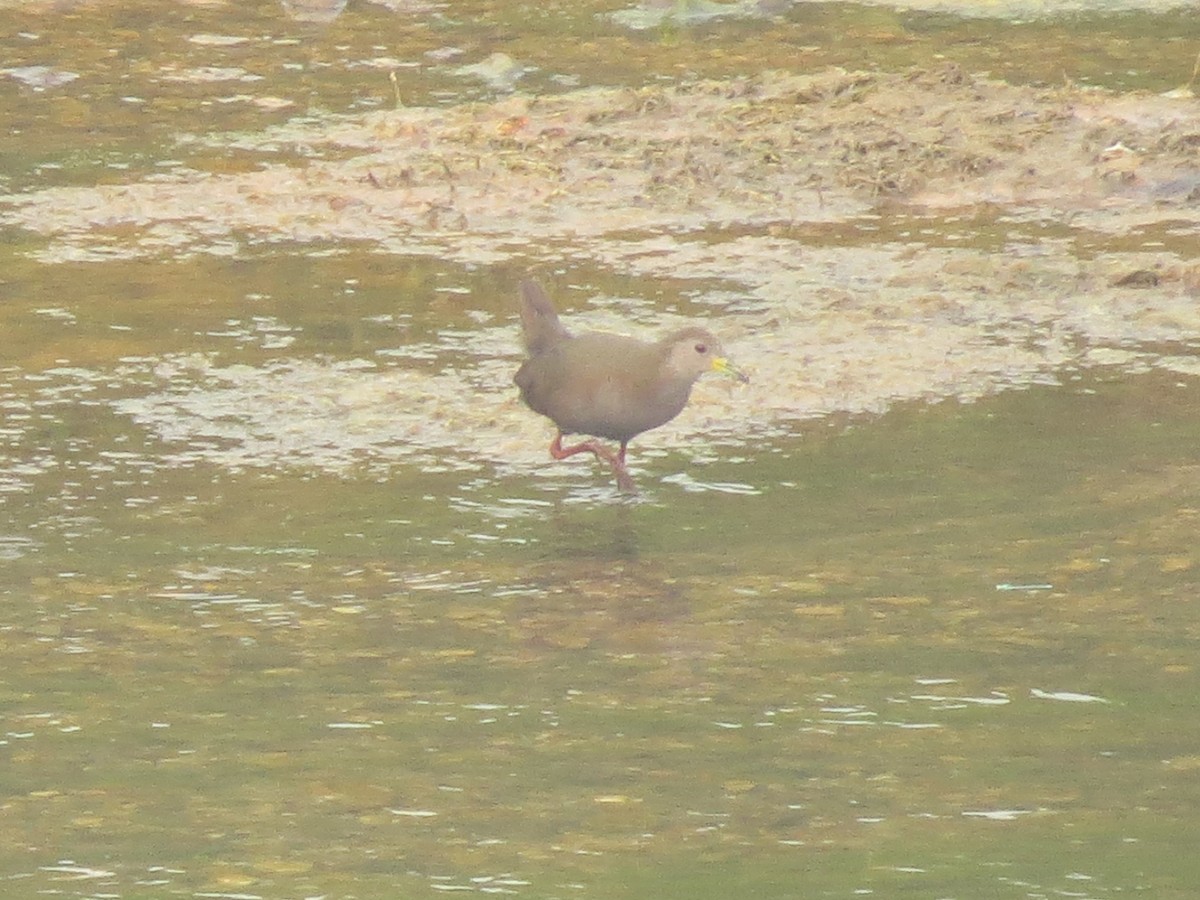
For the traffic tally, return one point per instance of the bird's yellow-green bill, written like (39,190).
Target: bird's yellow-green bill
(725,367)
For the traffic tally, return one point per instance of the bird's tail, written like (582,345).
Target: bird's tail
(539,320)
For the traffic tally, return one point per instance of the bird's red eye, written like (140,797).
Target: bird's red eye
(701,349)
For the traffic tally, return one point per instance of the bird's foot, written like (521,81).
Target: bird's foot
(624,479)
(625,482)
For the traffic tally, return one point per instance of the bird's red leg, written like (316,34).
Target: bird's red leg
(616,461)
(558,451)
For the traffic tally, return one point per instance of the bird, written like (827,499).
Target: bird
(608,385)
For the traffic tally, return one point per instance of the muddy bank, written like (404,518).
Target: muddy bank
(482,181)
(864,239)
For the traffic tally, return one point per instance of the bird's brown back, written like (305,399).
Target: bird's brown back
(605,385)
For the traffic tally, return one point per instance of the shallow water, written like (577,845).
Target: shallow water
(949,651)
(296,605)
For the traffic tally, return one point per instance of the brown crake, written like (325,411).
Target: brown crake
(608,385)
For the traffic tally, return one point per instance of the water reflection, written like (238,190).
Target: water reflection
(40,78)
(597,524)
(319,11)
